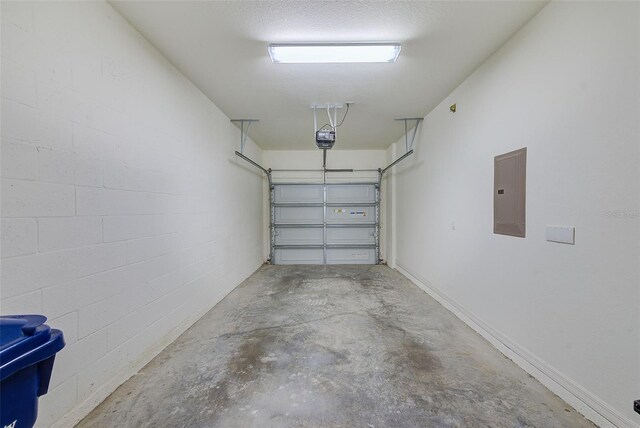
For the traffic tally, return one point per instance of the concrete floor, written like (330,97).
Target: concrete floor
(331,346)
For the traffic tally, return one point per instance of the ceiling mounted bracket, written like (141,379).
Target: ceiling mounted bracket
(244,130)
(330,108)
(407,121)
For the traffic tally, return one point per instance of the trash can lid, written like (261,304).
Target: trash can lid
(26,340)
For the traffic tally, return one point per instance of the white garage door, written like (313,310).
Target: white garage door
(334,223)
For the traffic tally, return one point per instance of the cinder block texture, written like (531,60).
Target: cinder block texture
(124,210)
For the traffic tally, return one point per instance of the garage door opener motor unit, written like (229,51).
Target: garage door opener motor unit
(326,134)
(325,138)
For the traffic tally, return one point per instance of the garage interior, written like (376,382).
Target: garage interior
(238,216)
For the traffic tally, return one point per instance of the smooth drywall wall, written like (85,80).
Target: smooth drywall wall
(125,214)
(369,160)
(567,87)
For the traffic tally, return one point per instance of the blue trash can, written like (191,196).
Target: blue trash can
(27,350)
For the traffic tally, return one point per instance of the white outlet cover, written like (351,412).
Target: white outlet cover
(561,234)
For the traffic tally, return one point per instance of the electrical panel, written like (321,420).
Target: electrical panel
(509,193)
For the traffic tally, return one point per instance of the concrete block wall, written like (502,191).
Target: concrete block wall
(125,214)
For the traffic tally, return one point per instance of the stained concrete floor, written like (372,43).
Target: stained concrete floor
(331,346)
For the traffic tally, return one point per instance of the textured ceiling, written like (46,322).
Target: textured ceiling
(222,47)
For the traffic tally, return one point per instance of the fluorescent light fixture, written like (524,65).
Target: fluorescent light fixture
(334,52)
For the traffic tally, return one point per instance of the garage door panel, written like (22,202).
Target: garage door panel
(298,193)
(351,235)
(351,193)
(299,256)
(299,215)
(299,236)
(337,256)
(351,214)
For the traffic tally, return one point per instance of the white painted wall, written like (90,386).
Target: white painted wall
(567,86)
(125,214)
(336,158)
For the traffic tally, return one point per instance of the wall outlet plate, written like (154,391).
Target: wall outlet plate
(561,234)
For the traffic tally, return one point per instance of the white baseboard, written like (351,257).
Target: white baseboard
(592,407)
(84,408)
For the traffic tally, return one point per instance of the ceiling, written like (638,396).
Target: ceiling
(221,46)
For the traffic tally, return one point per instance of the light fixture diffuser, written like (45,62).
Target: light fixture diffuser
(313,53)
